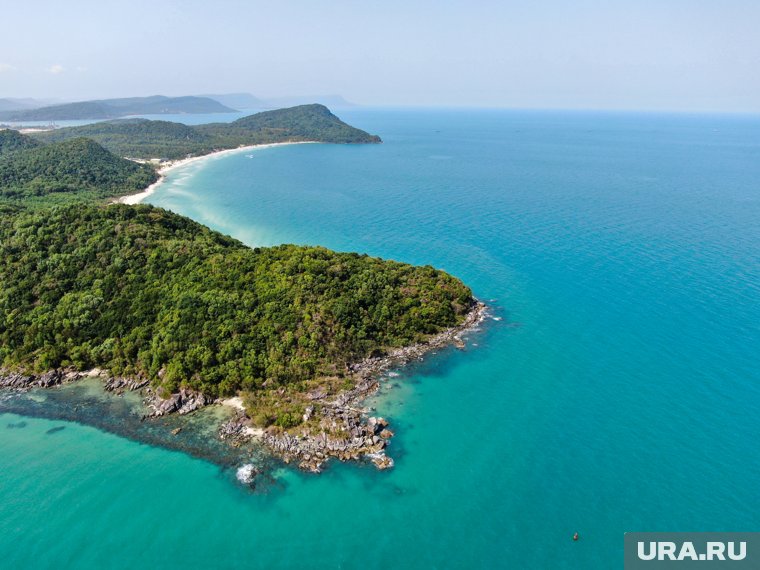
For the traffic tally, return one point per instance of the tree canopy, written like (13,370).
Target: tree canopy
(145,292)
(76,169)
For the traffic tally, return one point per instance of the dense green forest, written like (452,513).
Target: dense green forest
(302,123)
(141,138)
(77,169)
(12,141)
(146,293)
(114,108)
(142,291)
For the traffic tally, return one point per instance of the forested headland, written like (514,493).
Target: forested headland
(146,139)
(147,293)
(153,296)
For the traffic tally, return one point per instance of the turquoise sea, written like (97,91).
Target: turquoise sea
(620,391)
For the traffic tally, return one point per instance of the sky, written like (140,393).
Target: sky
(682,55)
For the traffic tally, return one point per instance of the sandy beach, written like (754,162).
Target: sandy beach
(236,404)
(171,165)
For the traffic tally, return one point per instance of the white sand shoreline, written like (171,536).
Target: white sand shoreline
(132,199)
(236,404)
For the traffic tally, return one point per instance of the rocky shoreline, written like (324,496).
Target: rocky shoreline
(25,382)
(335,425)
(343,432)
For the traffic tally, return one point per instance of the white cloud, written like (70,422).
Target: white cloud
(55,69)
(6,67)
(81,69)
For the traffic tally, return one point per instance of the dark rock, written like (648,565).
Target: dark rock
(117,384)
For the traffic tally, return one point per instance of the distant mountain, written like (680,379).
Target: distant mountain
(11,104)
(115,108)
(158,104)
(238,100)
(141,138)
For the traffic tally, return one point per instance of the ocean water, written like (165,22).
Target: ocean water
(619,391)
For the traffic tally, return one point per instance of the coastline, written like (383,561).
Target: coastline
(335,423)
(345,431)
(356,435)
(132,199)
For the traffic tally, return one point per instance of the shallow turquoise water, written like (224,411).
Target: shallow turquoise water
(620,391)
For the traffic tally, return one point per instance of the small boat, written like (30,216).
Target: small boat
(575,536)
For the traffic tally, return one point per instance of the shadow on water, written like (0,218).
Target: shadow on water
(86,402)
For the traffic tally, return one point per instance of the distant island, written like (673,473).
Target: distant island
(115,108)
(28,109)
(292,337)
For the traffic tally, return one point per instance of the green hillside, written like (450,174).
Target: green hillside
(12,141)
(145,292)
(138,138)
(75,169)
(301,123)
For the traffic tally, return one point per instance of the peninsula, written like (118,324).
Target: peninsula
(145,139)
(292,336)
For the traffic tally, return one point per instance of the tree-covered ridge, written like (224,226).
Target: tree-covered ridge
(141,138)
(145,292)
(138,138)
(12,141)
(74,169)
(303,123)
